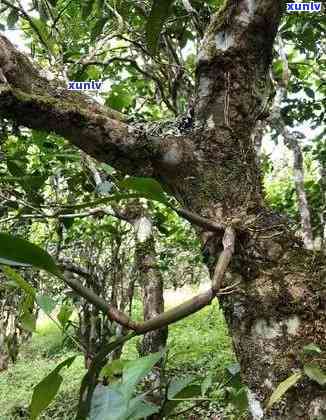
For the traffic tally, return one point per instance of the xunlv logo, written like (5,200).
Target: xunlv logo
(303,7)
(92,85)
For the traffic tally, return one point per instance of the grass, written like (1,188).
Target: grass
(37,359)
(196,344)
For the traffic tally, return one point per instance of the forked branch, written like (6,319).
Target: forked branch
(173,315)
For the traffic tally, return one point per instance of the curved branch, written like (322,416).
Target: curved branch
(173,315)
(35,102)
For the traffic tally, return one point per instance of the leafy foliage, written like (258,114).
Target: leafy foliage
(158,15)
(47,389)
(17,251)
(116,401)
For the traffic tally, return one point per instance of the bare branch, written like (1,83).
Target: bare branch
(173,315)
(224,259)
(35,102)
(198,220)
(67,265)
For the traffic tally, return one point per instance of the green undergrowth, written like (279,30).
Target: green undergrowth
(197,345)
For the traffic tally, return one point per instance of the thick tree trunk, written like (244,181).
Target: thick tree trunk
(281,306)
(258,140)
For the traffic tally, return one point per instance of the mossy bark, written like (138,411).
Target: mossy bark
(281,303)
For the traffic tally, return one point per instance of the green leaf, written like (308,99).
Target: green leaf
(109,228)
(239,399)
(28,321)
(12,18)
(207,383)
(18,251)
(66,363)
(190,391)
(159,13)
(113,369)
(148,187)
(312,348)
(309,92)
(47,389)
(15,169)
(140,409)
(98,28)
(108,169)
(283,387)
(44,30)
(177,385)
(64,314)
(104,188)
(315,373)
(136,370)
(46,303)
(27,182)
(33,182)
(119,97)
(108,403)
(87,7)
(12,204)
(68,222)
(233,369)
(19,281)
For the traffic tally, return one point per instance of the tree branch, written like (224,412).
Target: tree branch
(133,63)
(35,102)
(26,16)
(173,315)
(65,264)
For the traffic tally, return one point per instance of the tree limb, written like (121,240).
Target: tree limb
(173,315)
(35,102)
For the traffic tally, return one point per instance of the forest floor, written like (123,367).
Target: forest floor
(198,345)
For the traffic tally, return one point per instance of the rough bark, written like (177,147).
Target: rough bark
(298,173)
(291,140)
(281,303)
(323,210)
(151,281)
